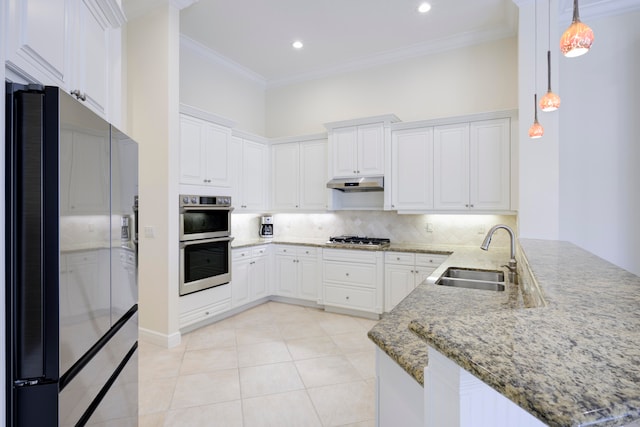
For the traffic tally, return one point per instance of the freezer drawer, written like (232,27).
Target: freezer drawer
(76,396)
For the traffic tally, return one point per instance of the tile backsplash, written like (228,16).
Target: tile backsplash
(426,229)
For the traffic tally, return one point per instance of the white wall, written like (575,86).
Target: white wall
(599,143)
(472,79)
(209,85)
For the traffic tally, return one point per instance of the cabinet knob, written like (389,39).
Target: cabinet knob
(355,171)
(398,258)
(466,206)
(306,252)
(347,274)
(206,313)
(347,297)
(471,206)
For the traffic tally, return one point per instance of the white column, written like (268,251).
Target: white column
(153,110)
(539,159)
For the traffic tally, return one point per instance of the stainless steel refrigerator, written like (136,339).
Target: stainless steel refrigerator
(71,285)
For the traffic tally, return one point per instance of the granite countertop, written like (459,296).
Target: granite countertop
(570,355)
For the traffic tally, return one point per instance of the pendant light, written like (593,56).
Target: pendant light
(536,130)
(577,39)
(550,101)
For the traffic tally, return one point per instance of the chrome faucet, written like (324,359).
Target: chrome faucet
(513,265)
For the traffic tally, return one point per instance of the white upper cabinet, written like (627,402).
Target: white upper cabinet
(489,167)
(358,150)
(411,169)
(451,166)
(205,153)
(472,166)
(250,182)
(68,43)
(299,175)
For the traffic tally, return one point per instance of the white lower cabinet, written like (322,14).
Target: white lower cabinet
(249,274)
(202,305)
(454,397)
(297,272)
(403,271)
(399,395)
(353,279)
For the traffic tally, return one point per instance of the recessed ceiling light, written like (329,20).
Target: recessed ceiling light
(424,8)
(297,44)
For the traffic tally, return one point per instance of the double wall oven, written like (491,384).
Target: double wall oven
(205,242)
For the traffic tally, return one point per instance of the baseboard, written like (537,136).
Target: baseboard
(351,312)
(159,339)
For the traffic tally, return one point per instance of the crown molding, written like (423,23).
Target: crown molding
(137,8)
(213,56)
(596,9)
(206,115)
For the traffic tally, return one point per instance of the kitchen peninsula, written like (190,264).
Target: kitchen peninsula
(563,345)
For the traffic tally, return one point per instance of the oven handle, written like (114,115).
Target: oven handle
(197,242)
(206,208)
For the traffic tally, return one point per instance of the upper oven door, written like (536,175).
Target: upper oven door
(204,222)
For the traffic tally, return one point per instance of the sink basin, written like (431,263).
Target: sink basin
(490,280)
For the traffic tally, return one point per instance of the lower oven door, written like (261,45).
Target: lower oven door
(204,264)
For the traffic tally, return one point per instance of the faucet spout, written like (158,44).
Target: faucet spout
(512,266)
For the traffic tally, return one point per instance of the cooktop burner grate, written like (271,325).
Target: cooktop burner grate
(360,240)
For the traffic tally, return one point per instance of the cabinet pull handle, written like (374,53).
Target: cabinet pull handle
(79,95)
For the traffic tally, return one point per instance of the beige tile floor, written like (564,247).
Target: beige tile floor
(273,365)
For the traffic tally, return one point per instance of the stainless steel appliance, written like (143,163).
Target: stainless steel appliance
(71,304)
(266,226)
(204,217)
(358,241)
(205,242)
(358,184)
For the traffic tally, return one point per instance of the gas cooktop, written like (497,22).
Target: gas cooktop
(359,241)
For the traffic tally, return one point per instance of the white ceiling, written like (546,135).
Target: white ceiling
(338,35)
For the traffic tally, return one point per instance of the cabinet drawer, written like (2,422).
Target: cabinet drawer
(359,275)
(239,254)
(258,251)
(430,260)
(404,258)
(363,299)
(307,251)
(350,255)
(285,250)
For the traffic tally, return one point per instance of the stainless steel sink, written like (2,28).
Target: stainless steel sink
(491,280)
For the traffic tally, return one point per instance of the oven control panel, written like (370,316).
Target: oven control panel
(195,200)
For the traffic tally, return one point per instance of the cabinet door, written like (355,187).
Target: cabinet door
(217,158)
(490,164)
(398,283)
(258,278)
(236,173)
(344,152)
(451,166)
(308,278)
(411,169)
(371,150)
(313,175)
(192,154)
(91,56)
(240,282)
(254,187)
(285,167)
(286,276)
(36,40)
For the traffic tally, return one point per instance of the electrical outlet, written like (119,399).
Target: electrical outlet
(149,232)
(429,227)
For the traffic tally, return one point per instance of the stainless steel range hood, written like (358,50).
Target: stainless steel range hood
(360,184)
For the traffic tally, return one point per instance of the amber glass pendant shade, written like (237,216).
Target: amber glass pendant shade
(536,130)
(550,101)
(578,38)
